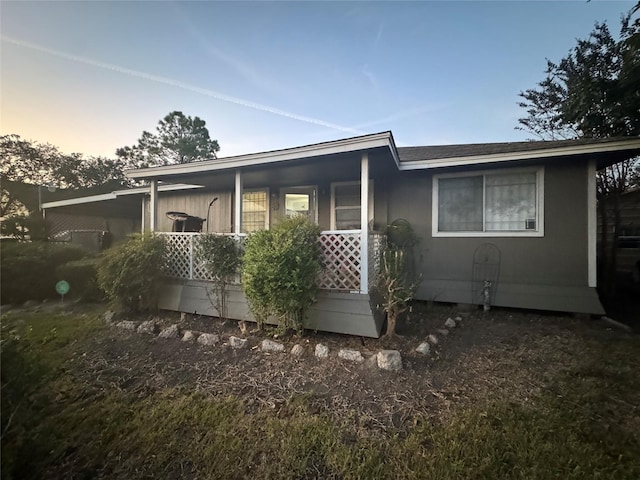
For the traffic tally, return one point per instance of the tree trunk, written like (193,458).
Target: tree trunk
(392,319)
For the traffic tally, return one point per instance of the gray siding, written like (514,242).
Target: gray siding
(196,204)
(547,273)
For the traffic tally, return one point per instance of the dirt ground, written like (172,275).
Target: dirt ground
(490,355)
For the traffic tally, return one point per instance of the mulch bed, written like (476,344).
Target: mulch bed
(489,354)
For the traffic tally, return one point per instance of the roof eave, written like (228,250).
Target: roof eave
(383,139)
(631,145)
(117,193)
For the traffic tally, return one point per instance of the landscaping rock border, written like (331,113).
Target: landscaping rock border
(390,360)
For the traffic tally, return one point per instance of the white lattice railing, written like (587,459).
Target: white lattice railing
(183,260)
(340,257)
(341,260)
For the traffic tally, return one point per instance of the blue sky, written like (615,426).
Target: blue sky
(89,77)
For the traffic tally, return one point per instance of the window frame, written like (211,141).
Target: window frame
(299,189)
(267,220)
(538,232)
(332,220)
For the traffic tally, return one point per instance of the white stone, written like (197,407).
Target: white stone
(236,342)
(458,319)
(127,325)
(297,350)
(351,355)
(169,332)
(423,348)
(148,326)
(450,323)
(208,339)
(443,331)
(271,346)
(188,336)
(322,351)
(389,360)
(109,316)
(432,339)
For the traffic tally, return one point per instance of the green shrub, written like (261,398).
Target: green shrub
(280,268)
(82,277)
(28,269)
(221,257)
(131,272)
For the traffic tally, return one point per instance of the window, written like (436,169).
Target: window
(299,201)
(495,203)
(345,202)
(255,211)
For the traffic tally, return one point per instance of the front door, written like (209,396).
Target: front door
(300,201)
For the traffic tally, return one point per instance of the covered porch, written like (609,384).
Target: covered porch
(338,185)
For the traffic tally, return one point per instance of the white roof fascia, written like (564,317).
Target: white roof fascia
(161,188)
(79,200)
(118,193)
(297,153)
(528,155)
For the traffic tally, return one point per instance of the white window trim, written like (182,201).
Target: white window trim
(333,202)
(539,232)
(267,219)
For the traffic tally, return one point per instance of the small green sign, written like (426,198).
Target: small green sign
(62,287)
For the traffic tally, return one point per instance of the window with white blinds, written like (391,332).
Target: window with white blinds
(497,203)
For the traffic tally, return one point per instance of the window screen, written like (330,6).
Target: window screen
(503,202)
(460,204)
(510,202)
(347,206)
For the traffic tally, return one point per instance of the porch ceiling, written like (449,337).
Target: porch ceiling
(308,171)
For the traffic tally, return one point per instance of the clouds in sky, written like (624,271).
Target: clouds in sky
(267,75)
(178,84)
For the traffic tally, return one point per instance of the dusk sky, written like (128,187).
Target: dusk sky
(89,77)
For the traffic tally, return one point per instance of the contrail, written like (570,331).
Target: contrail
(178,84)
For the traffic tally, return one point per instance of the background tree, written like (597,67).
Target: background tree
(178,139)
(26,166)
(594,92)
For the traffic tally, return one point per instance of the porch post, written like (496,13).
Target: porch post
(592,225)
(153,206)
(364,223)
(237,213)
(144,213)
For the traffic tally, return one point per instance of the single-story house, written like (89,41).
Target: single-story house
(513,224)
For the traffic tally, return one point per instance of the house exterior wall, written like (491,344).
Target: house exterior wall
(196,204)
(547,273)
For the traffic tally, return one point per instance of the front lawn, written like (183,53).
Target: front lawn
(83,400)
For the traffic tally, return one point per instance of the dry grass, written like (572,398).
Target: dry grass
(506,396)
